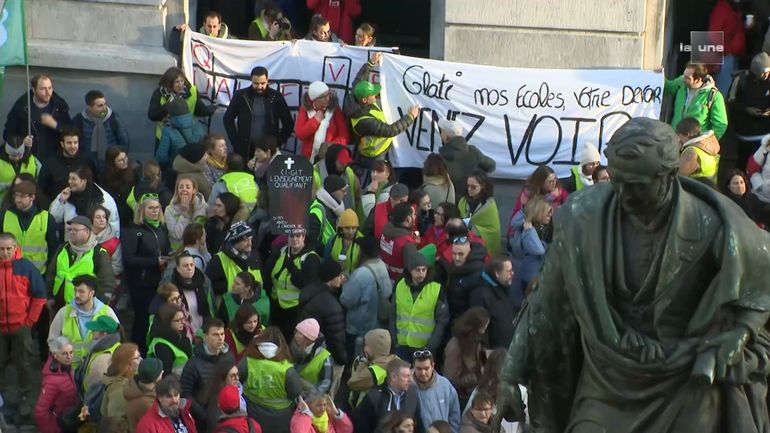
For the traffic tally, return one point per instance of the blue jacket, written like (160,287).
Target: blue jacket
(180,131)
(438,401)
(528,252)
(360,297)
(114,130)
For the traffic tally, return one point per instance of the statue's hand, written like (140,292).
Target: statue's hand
(729,349)
(509,402)
(649,350)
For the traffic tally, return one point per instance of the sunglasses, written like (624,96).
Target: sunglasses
(460,240)
(148,196)
(422,354)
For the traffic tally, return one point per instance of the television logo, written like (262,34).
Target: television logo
(707,48)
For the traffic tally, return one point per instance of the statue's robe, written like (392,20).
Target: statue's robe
(713,263)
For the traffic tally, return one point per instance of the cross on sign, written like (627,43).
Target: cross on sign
(289,162)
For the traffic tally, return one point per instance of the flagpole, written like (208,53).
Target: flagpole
(26,67)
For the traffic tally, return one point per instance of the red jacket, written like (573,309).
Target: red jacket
(57,394)
(303,423)
(154,422)
(381,213)
(392,244)
(729,21)
(339,13)
(239,424)
(22,293)
(337,132)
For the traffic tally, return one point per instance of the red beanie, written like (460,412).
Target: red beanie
(229,399)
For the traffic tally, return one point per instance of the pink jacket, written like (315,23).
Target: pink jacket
(301,422)
(57,394)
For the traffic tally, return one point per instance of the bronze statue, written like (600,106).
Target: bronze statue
(650,309)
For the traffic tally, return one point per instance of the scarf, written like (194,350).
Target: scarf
(324,197)
(104,235)
(320,133)
(79,250)
(321,423)
(152,223)
(99,134)
(217,164)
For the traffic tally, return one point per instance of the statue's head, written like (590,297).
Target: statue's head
(642,159)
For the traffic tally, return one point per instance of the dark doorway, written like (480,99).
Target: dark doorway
(401,23)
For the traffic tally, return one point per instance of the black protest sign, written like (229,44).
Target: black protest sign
(290,189)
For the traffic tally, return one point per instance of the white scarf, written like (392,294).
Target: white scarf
(320,133)
(330,201)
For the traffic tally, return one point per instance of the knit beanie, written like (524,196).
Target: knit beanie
(229,399)
(334,183)
(309,328)
(149,370)
(329,270)
(237,232)
(317,89)
(760,64)
(415,260)
(193,152)
(349,218)
(589,154)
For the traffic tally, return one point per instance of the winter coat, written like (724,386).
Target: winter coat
(336,131)
(556,197)
(485,221)
(279,120)
(361,296)
(749,92)
(463,369)
(179,131)
(115,131)
(157,112)
(238,422)
(162,351)
(22,294)
(177,220)
(361,379)
(110,241)
(46,140)
(63,212)
(114,402)
(142,245)
(58,393)
(460,281)
(711,115)
(528,252)
(438,401)
(462,159)
(299,277)
(471,425)
(102,270)
(195,170)
(724,18)
(99,364)
(154,421)
(502,308)
(273,420)
(370,414)
(441,315)
(54,175)
(689,162)
(201,286)
(340,15)
(371,199)
(196,376)
(216,272)
(758,170)
(138,402)
(439,189)
(302,422)
(396,244)
(318,302)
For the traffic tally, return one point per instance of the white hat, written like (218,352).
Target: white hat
(453,127)
(590,154)
(316,90)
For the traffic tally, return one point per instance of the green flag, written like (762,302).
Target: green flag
(13,50)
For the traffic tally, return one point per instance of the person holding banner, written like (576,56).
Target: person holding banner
(320,30)
(320,120)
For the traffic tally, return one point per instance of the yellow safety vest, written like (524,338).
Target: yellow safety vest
(93,356)
(312,369)
(191,102)
(31,241)
(243,186)
(578,179)
(66,272)
(351,255)
(8,172)
(415,317)
(370,146)
(266,383)
(709,164)
(283,289)
(180,358)
(232,269)
(379,374)
(327,228)
(71,330)
(318,182)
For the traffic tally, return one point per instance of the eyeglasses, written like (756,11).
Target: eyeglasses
(422,354)
(460,240)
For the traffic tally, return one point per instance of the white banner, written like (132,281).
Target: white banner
(219,67)
(521,118)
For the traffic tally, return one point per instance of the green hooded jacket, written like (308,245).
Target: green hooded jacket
(706,105)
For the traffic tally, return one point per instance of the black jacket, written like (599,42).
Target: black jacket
(317,301)
(216,272)
(25,219)
(460,281)
(496,299)
(200,285)
(54,174)
(45,140)
(370,414)
(279,121)
(142,245)
(462,160)
(748,91)
(157,112)
(162,351)
(306,274)
(196,376)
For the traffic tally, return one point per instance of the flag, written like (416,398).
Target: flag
(13,46)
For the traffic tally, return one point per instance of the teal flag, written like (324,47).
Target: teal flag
(13,49)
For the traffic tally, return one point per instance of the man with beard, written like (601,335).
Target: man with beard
(169,413)
(310,357)
(80,195)
(71,321)
(260,111)
(33,227)
(337,160)
(493,295)
(101,127)
(80,255)
(461,275)
(54,174)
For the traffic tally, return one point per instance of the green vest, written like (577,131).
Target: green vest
(578,179)
(191,102)
(70,329)
(370,146)
(180,358)
(318,210)
(243,186)
(8,172)
(262,306)
(261,26)
(66,272)
(32,241)
(414,317)
(379,375)
(283,289)
(351,255)
(266,383)
(312,369)
(709,164)
(93,356)
(232,269)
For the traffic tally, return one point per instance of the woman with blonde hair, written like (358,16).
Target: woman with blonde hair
(436,181)
(187,206)
(532,233)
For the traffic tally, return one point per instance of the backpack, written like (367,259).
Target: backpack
(384,306)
